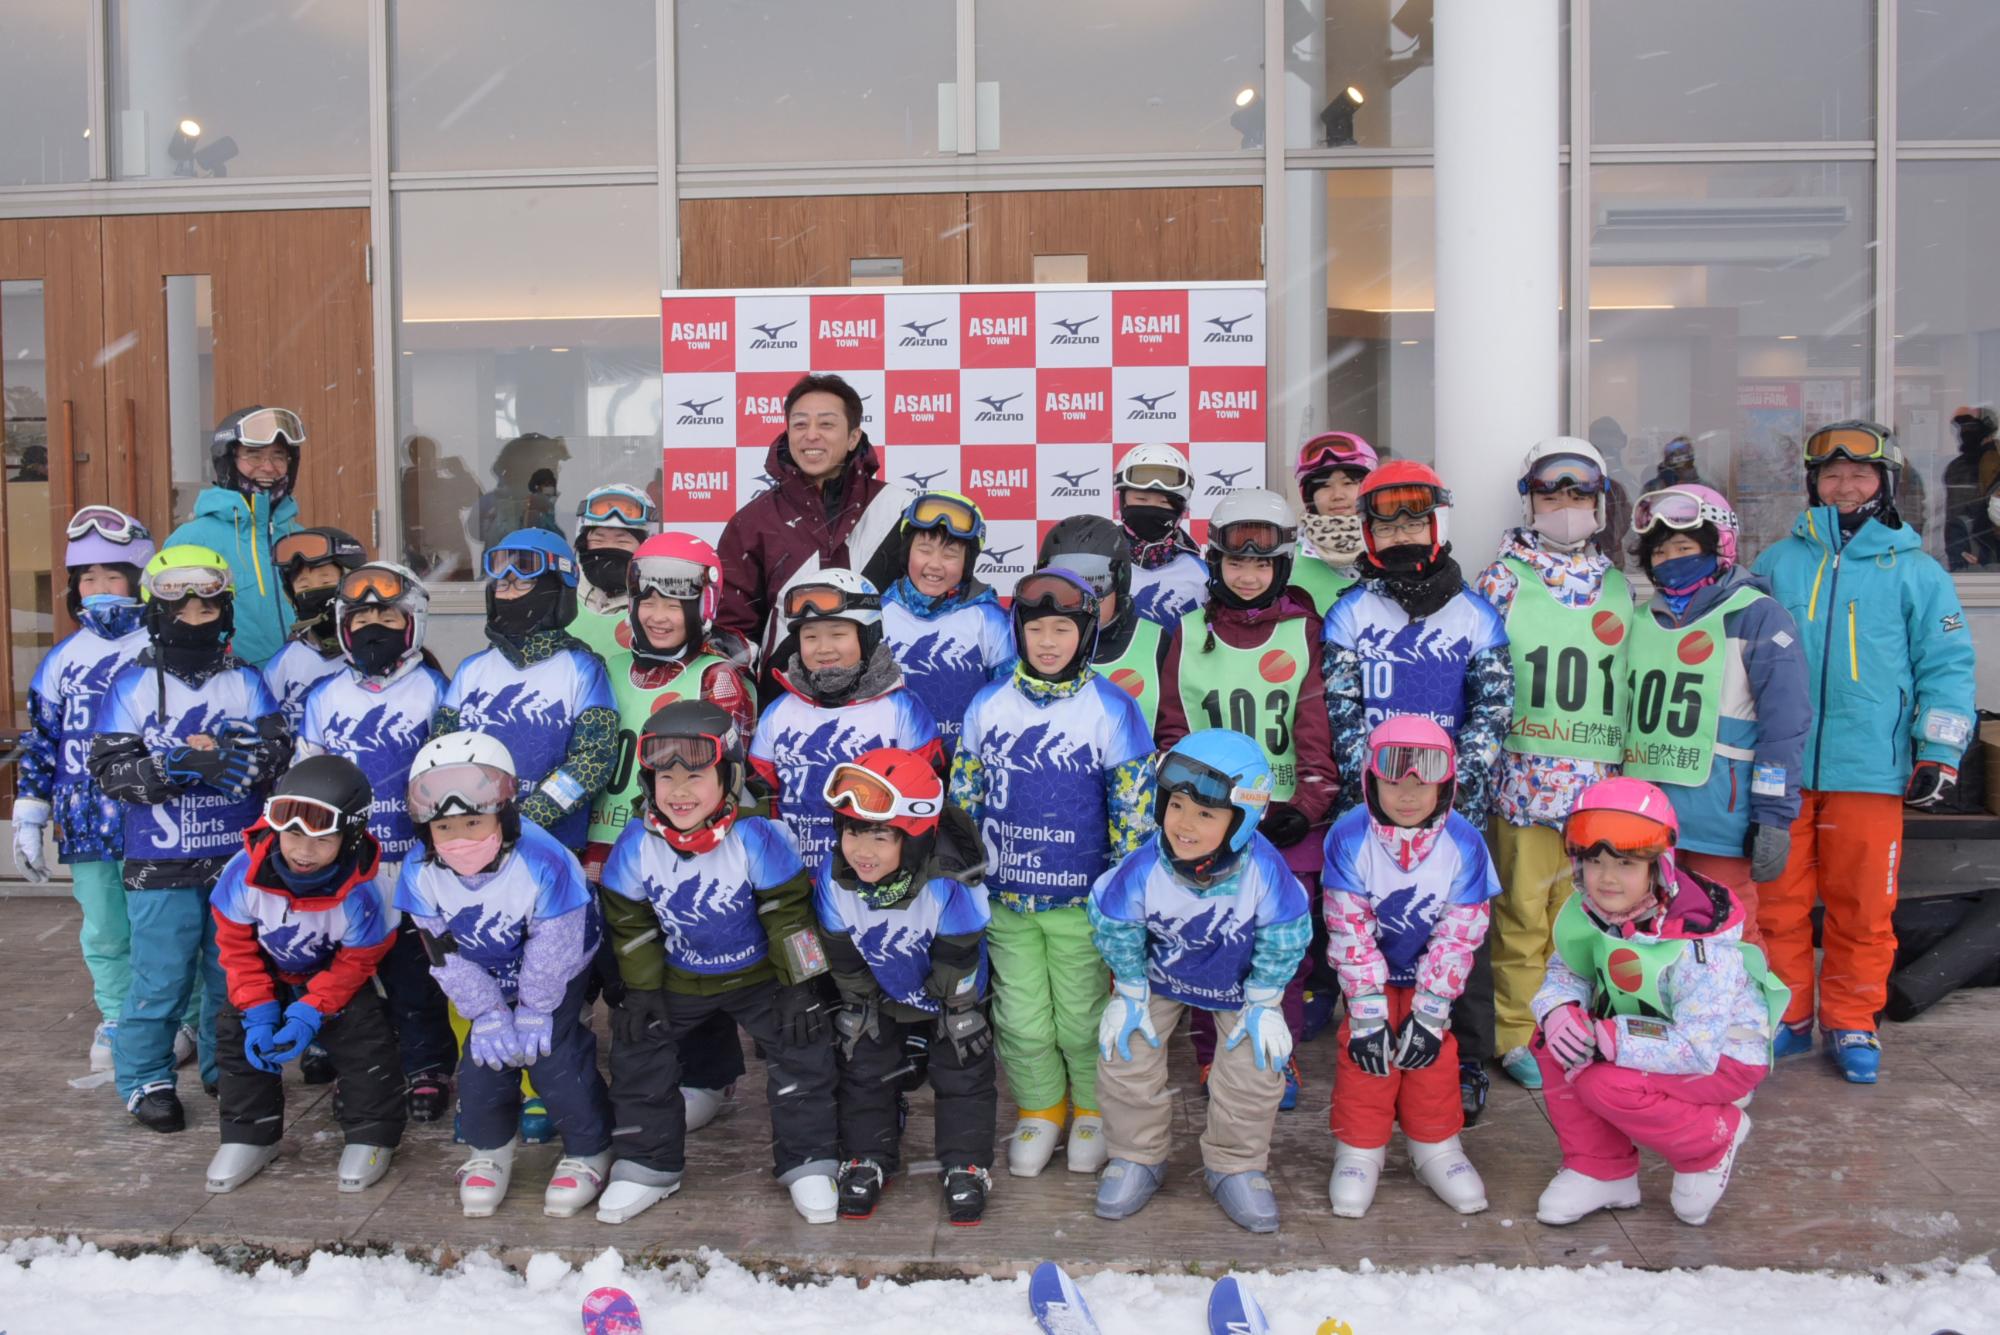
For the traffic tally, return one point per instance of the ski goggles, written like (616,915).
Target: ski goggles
(1678,510)
(1253,537)
(1557,471)
(374,584)
(524,563)
(864,793)
(1331,451)
(178,582)
(310,548)
(670,577)
(699,751)
(1427,764)
(954,514)
(827,600)
(110,524)
(1206,784)
(304,815)
(1859,441)
(266,425)
(1095,571)
(459,790)
(621,509)
(1620,833)
(1055,590)
(1415,500)
(1154,477)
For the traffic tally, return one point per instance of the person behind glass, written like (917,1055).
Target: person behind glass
(1204,916)
(1677,467)
(1971,481)
(1169,579)
(376,711)
(1330,469)
(710,913)
(524,464)
(310,563)
(299,914)
(254,460)
(437,493)
(66,698)
(947,629)
(510,928)
(1891,662)
(188,741)
(1131,651)
(1246,661)
(610,525)
(904,923)
(1972,533)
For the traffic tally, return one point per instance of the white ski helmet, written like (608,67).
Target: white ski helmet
(1558,460)
(834,595)
(1156,468)
(383,584)
(461,773)
(1270,527)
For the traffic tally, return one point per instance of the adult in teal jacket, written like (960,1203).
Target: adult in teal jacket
(1889,663)
(255,457)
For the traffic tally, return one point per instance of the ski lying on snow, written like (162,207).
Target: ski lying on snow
(1058,1306)
(1233,1311)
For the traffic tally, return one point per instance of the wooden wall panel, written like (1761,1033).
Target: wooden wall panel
(808,242)
(64,254)
(1131,236)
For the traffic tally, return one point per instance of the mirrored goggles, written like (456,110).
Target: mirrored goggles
(1047,590)
(697,752)
(303,815)
(373,584)
(1557,471)
(178,582)
(1095,570)
(956,516)
(670,577)
(1253,537)
(110,524)
(1678,510)
(1318,455)
(1155,477)
(1393,764)
(868,795)
(615,507)
(1417,500)
(266,425)
(522,563)
(1206,784)
(1622,833)
(460,790)
(826,600)
(1860,443)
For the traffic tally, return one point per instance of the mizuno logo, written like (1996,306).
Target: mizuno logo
(699,408)
(998,555)
(1227,326)
(1073,329)
(923,480)
(1228,479)
(1151,402)
(999,404)
(773,330)
(923,329)
(1076,479)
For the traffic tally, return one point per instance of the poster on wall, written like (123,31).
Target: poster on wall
(1023,398)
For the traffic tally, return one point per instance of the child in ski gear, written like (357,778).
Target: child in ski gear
(1890,662)
(376,711)
(1055,766)
(66,699)
(1131,650)
(711,912)
(510,927)
(1567,612)
(1169,579)
(1408,885)
(299,908)
(904,924)
(1246,661)
(610,525)
(1656,1017)
(947,630)
(1204,916)
(843,695)
(1329,470)
(188,740)
(538,689)
(310,563)
(1732,770)
(254,459)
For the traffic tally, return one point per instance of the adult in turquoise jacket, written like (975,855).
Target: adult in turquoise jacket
(1889,663)
(255,458)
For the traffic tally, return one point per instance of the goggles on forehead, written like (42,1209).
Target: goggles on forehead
(372,584)
(1334,452)
(1622,833)
(460,790)
(523,563)
(1252,537)
(110,524)
(1678,510)
(266,425)
(864,793)
(1154,477)
(304,815)
(615,507)
(670,577)
(1095,570)
(1393,764)
(1046,590)
(827,600)
(1859,443)
(1414,500)
(178,582)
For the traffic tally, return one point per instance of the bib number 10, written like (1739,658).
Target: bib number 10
(1572,680)
(1680,703)
(1242,706)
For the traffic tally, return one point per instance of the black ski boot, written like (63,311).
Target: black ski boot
(429,1096)
(861,1185)
(1472,1088)
(158,1108)
(965,1196)
(315,1066)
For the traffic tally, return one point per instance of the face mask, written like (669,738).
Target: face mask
(518,618)
(1405,558)
(105,602)
(469,857)
(1683,573)
(111,615)
(313,603)
(1150,523)
(1567,528)
(376,649)
(606,568)
(1335,538)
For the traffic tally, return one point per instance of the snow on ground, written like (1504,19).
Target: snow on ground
(64,1288)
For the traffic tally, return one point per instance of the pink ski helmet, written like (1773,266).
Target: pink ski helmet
(1686,506)
(1405,742)
(1334,449)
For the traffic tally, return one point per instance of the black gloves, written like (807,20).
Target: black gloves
(1931,785)
(1284,824)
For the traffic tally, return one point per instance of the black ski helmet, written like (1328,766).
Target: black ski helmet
(255,426)
(305,548)
(1092,536)
(337,782)
(693,719)
(1055,591)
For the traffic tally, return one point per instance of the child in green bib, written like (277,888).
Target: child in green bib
(1329,470)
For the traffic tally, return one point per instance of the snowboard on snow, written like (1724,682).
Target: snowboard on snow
(611,1311)
(1232,1310)
(1058,1305)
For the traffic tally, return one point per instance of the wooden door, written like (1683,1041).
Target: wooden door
(810,242)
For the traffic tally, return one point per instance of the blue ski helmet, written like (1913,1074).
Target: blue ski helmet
(1217,768)
(531,553)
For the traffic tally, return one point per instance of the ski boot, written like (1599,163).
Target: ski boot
(1857,1053)
(429,1095)
(1472,1089)
(575,1183)
(316,1065)
(815,1195)
(483,1178)
(1792,1040)
(158,1108)
(1571,1195)
(1125,1187)
(1034,1141)
(1522,1068)
(1319,1003)
(537,1127)
(965,1191)
(861,1186)
(1086,1150)
(362,1166)
(101,1040)
(1355,1173)
(233,1165)
(633,1190)
(1294,1082)
(1442,1166)
(702,1105)
(1246,1198)
(185,1045)
(1696,1194)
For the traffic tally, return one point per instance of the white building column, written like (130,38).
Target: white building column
(1499,372)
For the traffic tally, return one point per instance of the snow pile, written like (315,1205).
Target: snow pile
(55,1288)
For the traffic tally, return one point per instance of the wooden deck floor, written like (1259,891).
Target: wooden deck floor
(1834,1175)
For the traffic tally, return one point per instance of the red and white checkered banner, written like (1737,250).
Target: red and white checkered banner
(1023,398)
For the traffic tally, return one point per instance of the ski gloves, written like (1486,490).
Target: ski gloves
(1421,1037)
(1375,1047)
(260,1026)
(492,1041)
(1284,824)
(1574,1038)
(1262,1021)
(855,1021)
(801,1014)
(1931,785)
(1129,1012)
(269,1044)
(968,1031)
(31,817)
(1770,847)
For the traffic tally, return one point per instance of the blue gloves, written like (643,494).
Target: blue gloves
(260,1024)
(227,769)
(535,1030)
(1127,1013)
(295,1035)
(493,1042)
(1263,1023)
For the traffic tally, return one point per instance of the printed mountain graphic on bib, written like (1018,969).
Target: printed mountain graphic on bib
(513,707)
(1407,912)
(804,759)
(489,938)
(381,729)
(1162,602)
(693,900)
(80,686)
(1426,665)
(1210,929)
(938,655)
(295,947)
(201,719)
(1033,750)
(885,940)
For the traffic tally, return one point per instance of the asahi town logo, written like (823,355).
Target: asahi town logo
(769,340)
(697,412)
(699,333)
(996,409)
(1072,334)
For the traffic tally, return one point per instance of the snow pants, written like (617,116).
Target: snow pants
(1201,1025)
(489,1101)
(106,937)
(368,1100)
(1608,1112)
(1242,1100)
(1734,873)
(416,1007)
(799,1080)
(1367,1108)
(1049,989)
(1845,849)
(871,1082)
(173,947)
(1535,882)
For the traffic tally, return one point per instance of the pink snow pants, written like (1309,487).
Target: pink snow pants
(1608,1112)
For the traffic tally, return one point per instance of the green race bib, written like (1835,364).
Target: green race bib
(620,801)
(1321,583)
(599,630)
(1625,975)
(1675,696)
(1254,691)
(1569,669)
(1137,670)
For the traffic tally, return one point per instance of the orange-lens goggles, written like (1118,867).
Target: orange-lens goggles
(1413,499)
(372,584)
(824,600)
(1623,832)
(1850,442)
(616,505)
(868,795)
(1252,537)
(698,752)
(306,547)
(1049,591)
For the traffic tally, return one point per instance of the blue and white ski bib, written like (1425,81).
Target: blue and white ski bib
(197,822)
(804,741)
(947,659)
(1198,948)
(1408,903)
(74,682)
(896,943)
(292,673)
(538,879)
(707,903)
(380,727)
(1047,819)
(302,942)
(533,710)
(1413,667)
(1171,592)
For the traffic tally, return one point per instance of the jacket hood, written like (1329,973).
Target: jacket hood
(1820,526)
(260,841)
(1697,909)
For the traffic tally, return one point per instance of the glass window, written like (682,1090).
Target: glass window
(29,598)
(809,80)
(528,334)
(1722,71)
(1359,76)
(1123,76)
(1944,69)
(204,90)
(1948,348)
(523,83)
(44,94)
(1729,304)
(1358,345)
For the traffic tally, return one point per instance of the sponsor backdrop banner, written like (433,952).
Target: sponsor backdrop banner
(1023,398)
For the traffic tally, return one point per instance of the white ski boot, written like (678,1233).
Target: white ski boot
(233,1165)
(1696,1194)
(1355,1173)
(483,1178)
(816,1196)
(1086,1150)
(362,1166)
(1032,1146)
(627,1196)
(1442,1166)
(575,1183)
(101,1039)
(702,1105)
(1571,1195)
